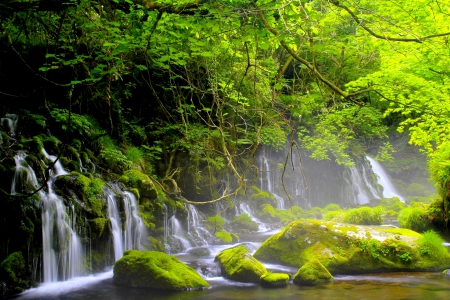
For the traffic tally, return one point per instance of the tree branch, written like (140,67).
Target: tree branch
(384,37)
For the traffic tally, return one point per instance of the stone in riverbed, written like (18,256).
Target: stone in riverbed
(156,270)
(239,265)
(275,280)
(313,272)
(352,249)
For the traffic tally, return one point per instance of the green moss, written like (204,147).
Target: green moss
(332,207)
(268,213)
(155,244)
(401,231)
(135,192)
(275,280)
(313,272)
(244,223)
(97,226)
(334,215)
(239,265)
(414,218)
(262,196)
(432,244)
(88,190)
(224,236)
(347,249)
(140,181)
(214,223)
(157,270)
(13,272)
(364,216)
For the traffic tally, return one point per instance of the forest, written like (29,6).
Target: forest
(232,110)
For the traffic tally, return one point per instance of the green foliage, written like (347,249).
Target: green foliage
(432,244)
(364,216)
(334,215)
(414,218)
(224,236)
(214,223)
(116,160)
(332,207)
(392,204)
(268,213)
(244,223)
(13,271)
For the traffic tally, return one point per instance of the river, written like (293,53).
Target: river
(420,285)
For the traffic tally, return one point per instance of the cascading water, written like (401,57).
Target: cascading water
(116,224)
(62,249)
(62,252)
(134,227)
(11,120)
(389,190)
(128,236)
(198,233)
(267,181)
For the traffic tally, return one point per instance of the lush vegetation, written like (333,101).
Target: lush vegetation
(173,99)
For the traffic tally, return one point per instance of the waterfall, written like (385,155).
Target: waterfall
(126,235)
(198,233)
(62,249)
(389,190)
(245,208)
(11,120)
(267,175)
(361,189)
(116,224)
(134,227)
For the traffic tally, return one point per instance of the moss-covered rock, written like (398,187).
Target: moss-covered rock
(275,280)
(13,272)
(239,265)
(224,237)
(89,191)
(98,226)
(313,272)
(262,197)
(268,212)
(156,270)
(141,182)
(349,249)
(244,223)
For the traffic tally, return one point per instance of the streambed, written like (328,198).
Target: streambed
(419,285)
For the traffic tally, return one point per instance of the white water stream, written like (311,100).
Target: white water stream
(389,190)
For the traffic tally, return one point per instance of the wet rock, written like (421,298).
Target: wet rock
(275,280)
(313,272)
(352,249)
(239,265)
(156,270)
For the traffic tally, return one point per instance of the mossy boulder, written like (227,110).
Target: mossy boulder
(313,272)
(262,197)
(88,191)
(141,182)
(153,269)
(275,280)
(224,237)
(350,249)
(13,272)
(268,212)
(244,223)
(239,265)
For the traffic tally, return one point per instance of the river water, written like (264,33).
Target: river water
(423,285)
